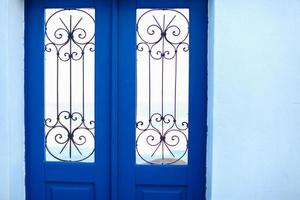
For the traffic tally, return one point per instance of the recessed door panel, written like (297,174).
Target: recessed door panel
(161,193)
(60,191)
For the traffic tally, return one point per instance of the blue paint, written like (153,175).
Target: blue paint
(114,175)
(41,176)
(191,178)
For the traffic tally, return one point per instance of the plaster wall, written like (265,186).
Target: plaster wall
(254,100)
(12,165)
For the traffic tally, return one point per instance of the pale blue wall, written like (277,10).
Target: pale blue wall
(254,138)
(11,100)
(4,147)
(254,100)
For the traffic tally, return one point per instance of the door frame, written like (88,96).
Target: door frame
(114,161)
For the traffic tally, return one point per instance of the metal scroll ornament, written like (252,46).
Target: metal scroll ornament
(162,34)
(69,135)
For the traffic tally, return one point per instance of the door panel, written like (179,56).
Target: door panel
(67,178)
(162,179)
(62,191)
(161,193)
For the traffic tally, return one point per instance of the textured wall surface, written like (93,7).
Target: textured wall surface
(12,163)
(254,100)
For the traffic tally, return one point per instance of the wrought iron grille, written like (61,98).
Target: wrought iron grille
(163,39)
(69,44)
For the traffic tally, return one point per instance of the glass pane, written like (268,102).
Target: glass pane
(69,84)
(162,86)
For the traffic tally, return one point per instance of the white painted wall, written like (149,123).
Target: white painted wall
(254,118)
(254,100)
(12,185)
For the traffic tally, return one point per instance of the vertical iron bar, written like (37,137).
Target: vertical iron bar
(149,85)
(70,56)
(83,91)
(162,85)
(175,92)
(57,84)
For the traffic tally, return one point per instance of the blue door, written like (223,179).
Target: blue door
(116,95)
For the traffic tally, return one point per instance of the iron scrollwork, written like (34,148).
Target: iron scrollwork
(67,38)
(162,38)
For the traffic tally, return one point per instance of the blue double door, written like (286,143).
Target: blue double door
(112,154)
